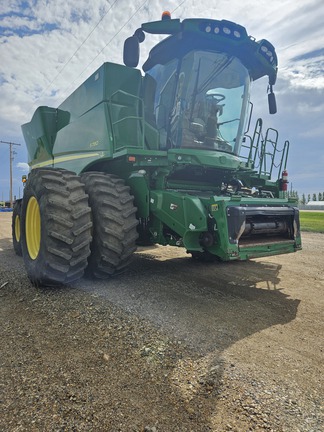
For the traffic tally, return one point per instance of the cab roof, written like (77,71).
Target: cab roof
(259,57)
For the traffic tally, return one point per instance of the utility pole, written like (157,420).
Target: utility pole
(11,158)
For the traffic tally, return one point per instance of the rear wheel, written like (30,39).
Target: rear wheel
(55,227)
(16,237)
(114,224)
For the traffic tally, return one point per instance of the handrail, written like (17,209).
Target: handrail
(263,152)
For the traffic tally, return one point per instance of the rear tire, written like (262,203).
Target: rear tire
(16,230)
(114,224)
(55,227)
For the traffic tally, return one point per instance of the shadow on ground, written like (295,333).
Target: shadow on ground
(205,307)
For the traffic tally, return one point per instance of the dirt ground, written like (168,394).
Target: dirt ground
(170,345)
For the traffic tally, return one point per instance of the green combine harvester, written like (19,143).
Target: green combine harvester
(157,158)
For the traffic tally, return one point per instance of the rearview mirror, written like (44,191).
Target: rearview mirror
(272,103)
(131,51)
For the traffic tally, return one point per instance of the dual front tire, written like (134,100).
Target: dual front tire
(67,225)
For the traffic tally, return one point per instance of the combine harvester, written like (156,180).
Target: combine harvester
(159,158)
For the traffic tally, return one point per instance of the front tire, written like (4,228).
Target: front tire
(114,224)
(55,227)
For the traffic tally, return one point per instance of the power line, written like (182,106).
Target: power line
(75,52)
(178,6)
(69,60)
(105,46)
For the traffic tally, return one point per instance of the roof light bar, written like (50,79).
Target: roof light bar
(224,28)
(267,51)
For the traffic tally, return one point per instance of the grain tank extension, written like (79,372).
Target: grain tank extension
(159,157)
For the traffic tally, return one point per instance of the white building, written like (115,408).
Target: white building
(315,203)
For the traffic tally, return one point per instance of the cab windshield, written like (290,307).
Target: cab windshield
(201,101)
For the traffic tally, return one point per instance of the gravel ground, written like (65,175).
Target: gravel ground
(170,345)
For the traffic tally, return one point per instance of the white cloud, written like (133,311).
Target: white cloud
(23,166)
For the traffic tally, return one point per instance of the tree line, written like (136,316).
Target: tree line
(303,199)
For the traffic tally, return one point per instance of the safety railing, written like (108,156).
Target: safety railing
(261,153)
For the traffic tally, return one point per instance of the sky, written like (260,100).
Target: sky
(49,47)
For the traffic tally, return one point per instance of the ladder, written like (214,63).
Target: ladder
(261,153)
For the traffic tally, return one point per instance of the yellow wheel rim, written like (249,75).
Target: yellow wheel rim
(33,228)
(17,228)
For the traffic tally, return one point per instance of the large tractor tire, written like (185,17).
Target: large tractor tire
(114,224)
(16,232)
(55,227)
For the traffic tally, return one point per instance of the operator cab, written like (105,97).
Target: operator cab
(201,101)
(197,81)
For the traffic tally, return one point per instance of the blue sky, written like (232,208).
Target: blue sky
(47,48)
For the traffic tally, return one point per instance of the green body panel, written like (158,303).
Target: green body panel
(103,85)
(102,115)
(140,189)
(183,214)
(90,133)
(41,132)
(184,193)
(188,217)
(228,250)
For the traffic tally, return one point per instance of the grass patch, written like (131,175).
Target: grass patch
(312,221)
